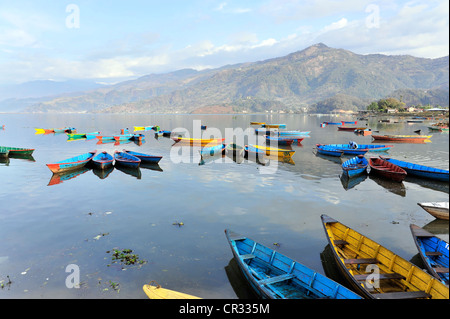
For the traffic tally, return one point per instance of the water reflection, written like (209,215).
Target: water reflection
(132,171)
(58,178)
(238,281)
(428,183)
(349,183)
(437,227)
(103,173)
(393,187)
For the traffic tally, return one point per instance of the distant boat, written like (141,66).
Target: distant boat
(437,209)
(126,159)
(137,137)
(257,123)
(364,132)
(143,128)
(251,149)
(103,160)
(198,141)
(123,137)
(355,166)
(360,148)
(71,163)
(272,151)
(433,251)
(213,150)
(156,292)
(147,158)
(276,276)
(350,128)
(279,140)
(291,133)
(349,122)
(81,135)
(328,150)
(386,169)
(18,150)
(234,149)
(375,272)
(332,123)
(274,125)
(402,138)
(420,170)
(4,152)
(105,137)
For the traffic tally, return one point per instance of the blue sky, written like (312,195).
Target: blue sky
(112,40)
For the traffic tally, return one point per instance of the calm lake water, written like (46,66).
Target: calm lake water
(45,227)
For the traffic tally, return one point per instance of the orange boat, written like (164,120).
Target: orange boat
(403,138)
(386,169)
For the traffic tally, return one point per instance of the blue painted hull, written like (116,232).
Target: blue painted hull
(434,253)
(213,150)
(71,163)
(292,133)
(103,160)
(421,170)
(362,148)
(355,166)
(275,276)
(324,150)
(127,160)
(145,157)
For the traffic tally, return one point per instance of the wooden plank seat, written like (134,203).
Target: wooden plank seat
(361,261)
(275,279)
(433,253)
(247,256)
(403,295)
(386,276)
(340,242)
(441,269)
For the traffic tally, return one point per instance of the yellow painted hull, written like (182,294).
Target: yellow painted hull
(257,123)
(279,152)
(199,141)
(156,292)
(361,260)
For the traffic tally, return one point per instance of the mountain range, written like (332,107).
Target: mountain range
(316,76)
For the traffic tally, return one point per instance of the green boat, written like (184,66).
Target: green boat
(17,150)
(3,152)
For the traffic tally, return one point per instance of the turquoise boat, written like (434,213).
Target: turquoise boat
(355,166)
(275,276)
(420,170)
(433,251)
(147,158)
(292,133)
(71,163)
(213,150)
(123,137)
(360,149)
(126,159)
(103,160)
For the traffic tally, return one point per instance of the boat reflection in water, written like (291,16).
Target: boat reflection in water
(349,183)
(392,186)
(58,178)
(133,171)
(238,282)
(102,173)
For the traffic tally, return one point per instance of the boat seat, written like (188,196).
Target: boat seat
(361,261)
(275,279)
(433,253)
(441,269)
(339,242)
(380,276)
(247,256)
(403,295)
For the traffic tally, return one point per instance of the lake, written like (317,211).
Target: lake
(173,216)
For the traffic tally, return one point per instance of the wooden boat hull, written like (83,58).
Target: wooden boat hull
(292,133)
(386,169)
(402,138)
(436,209)
(360,260)
(257,123)
(325,150)
(18,150)
(280,140)
(420,170)
(433,251)
(272,151)
(123,137)
(350,128)
(361,150)
(355,166)
(198,141)
(274,125)
(147,158)
(156,292)
(103,160)
(72,163)
(275,276)
(127,160)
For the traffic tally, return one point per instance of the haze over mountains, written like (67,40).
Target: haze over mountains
(318,78)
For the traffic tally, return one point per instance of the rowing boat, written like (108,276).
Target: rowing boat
(360,149)
(257,123)
(375,272)
(81,135)
(4,152)
(420,170)
(157,292)
(198,141)
(71,163)
(234,149)
(436,209)
(213,150)
(143,128)
(18,150)
(403,138)
(386,169)
(332,123)
(126,159)
(44,131)
(145,158)
(330,151)
(105,137)
(291,133)
(349,122)
(433,251)
(123,137)
(274,125)
(251,149)
(350,128)
(273,151)
(355,166)
(103,160)
(280,140)
(276,276)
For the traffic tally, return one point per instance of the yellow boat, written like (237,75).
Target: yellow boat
(143,128)
(198,141)
(156,292)
(257,123)
(375,272)
(273,151)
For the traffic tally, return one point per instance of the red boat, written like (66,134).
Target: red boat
(386,169)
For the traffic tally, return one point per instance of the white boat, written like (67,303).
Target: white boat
(436,209)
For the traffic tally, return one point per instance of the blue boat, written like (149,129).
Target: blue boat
(103,160)
(275,276)
(360,149)
(292,133)
(274,125)
(333,123)
(126,159)
(327,150)
(71,163)
(420,170)
(147,158)
(355,166)
(250,149)
(280,140)
(433,251)
(213,150)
